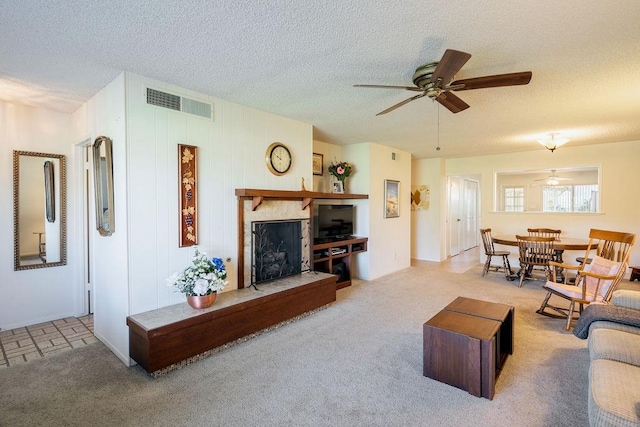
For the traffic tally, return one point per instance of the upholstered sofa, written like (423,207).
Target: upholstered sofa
(614,346)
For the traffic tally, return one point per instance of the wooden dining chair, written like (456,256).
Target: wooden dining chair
(547,232)
(490,252)
(544,232)
(603,267)
(535,254)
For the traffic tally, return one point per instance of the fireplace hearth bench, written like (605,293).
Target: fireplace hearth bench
(169,335)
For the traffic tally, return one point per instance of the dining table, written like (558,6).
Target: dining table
(559,246)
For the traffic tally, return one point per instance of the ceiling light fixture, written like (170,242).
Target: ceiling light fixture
(553,181)
(551,142)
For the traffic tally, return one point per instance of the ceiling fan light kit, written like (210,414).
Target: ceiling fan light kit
(553,179)
(551,142)
(434,80)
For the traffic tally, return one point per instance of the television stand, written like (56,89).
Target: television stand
(334,257)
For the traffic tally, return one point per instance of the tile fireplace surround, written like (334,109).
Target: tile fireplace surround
(271,210)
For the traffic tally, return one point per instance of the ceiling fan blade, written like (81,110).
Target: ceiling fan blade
(391,87)
(452,102)
(511,79)
(451,62)
(400,104)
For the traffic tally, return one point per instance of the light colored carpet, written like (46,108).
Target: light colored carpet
(357,363)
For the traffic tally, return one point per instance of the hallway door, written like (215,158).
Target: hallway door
(454,219)
(471,224)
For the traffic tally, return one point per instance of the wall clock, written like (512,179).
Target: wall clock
(278,158)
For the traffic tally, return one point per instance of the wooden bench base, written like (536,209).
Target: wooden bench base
(162,337)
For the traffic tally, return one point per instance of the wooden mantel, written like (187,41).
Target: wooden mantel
(306,196)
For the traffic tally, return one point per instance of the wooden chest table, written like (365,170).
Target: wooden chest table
(466,344)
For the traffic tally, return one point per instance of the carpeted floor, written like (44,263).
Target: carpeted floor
(357,363)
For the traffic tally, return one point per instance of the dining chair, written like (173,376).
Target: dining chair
(602,268)
(535,254)
(548,232)
(490,252)
(544,232)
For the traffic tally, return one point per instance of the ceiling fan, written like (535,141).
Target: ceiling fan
(434,81)
(553,179)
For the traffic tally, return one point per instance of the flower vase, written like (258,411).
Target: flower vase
(201,301)
(344,184)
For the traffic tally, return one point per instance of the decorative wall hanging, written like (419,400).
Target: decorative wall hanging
(318,163)
(420,198)
(391,198)
(187,160)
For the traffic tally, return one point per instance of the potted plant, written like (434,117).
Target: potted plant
(201,280)
(340,171)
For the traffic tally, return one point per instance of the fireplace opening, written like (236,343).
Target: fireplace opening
(278,249)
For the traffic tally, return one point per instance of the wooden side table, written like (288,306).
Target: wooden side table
(460,350)
(466,344)
(490,310)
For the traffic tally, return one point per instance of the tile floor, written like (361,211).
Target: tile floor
(22,345)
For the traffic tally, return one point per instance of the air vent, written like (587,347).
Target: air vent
(196,107)
(163,99)
(177,103)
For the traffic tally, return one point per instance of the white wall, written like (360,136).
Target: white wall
(33,296)
(231,155)
(619,204)
(104,115)
(389,247)
(428,231)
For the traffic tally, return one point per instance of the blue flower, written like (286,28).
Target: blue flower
(218,264)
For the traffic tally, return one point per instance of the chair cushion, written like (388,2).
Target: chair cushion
(570,291)
(599,265)
(613,393)
(604,267)
(614,345)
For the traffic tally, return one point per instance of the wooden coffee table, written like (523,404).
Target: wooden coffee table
(466,344)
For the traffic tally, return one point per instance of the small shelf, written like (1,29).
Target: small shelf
(338,263)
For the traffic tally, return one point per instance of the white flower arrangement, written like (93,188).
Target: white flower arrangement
(203,277)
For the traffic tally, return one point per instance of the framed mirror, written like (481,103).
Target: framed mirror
(103,185)
(553,190)
(39,210)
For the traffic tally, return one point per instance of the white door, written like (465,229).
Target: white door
(470,202)
(455,215)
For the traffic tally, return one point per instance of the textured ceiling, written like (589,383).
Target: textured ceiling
(301,59)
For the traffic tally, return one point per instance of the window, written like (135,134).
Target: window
(570,198)
(513,199)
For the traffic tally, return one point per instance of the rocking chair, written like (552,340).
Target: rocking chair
(608,252)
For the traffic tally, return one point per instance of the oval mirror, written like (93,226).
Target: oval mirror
(103,184)
(39,210)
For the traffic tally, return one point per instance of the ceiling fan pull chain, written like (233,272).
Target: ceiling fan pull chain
(438,147)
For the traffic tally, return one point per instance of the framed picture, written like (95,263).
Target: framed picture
(338,187)
(187,174)
(318,163)
(391,198)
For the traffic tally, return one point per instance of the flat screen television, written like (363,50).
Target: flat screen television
(333,222)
